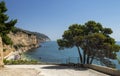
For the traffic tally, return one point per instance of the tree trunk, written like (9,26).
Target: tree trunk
(92,60)
(84,57)
(92,57)
(88,59)
(88,56)
(80,55)
(1,53)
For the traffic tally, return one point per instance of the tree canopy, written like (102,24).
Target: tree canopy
(5,25)
(94,40)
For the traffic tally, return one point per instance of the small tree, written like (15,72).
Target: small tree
(5,25)
(93,39)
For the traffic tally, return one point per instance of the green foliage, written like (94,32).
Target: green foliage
(17,46)
(6,40)
(93,39)
(11,62)
(107,31)
(4,50)
(5,25)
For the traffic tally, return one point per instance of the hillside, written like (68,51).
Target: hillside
(23,40)
(40,36)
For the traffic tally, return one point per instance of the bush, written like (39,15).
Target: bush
(6,40)
(10,62)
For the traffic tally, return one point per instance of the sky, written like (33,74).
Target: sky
(53,17)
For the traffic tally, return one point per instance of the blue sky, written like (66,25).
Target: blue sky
(52,17)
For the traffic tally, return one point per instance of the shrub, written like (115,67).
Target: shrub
(10,62)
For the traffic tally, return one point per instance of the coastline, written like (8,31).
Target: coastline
(17,54)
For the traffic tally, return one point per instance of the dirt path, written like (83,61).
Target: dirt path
(47,70)
(19,72)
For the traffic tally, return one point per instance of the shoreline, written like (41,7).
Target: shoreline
(18,54)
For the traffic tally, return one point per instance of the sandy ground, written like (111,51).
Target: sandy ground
(47,70)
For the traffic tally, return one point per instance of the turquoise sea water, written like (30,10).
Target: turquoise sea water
(49,52)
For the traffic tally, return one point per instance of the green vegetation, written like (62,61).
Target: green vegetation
(11,62)
(5,25)
(93,39)
(17,46)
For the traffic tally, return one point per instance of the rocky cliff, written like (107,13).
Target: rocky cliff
(24,40)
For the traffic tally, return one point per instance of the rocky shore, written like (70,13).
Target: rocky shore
(22,41)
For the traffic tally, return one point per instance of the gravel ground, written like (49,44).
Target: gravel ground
(47,70)
(19,72)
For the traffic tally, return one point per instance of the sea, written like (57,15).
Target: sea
(49,53)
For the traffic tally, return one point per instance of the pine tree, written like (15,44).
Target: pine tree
(93,39)
(5,25)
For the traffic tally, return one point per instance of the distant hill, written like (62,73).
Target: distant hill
(40,36)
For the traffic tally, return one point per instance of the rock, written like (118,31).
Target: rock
(12,57)
(23,41)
